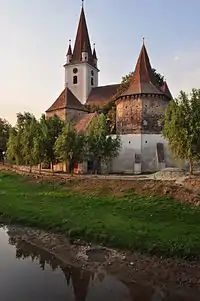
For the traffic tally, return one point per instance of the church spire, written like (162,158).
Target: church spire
(69,52)
(143,80)
(94,52)
(82,40)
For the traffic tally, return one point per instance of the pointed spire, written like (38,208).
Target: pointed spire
(84,47)
(69,52)
(143,80)
(82,40)
(94,52)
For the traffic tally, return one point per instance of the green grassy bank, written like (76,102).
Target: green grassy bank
(148,224)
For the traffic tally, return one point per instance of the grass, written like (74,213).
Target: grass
(158,225)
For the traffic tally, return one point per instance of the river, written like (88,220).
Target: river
(28,273)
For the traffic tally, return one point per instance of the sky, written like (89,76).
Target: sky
(34,40)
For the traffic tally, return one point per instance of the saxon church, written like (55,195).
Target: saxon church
(138,109)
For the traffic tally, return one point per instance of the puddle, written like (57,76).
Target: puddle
(27,273)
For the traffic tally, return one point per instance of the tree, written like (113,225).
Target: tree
(4,136)
(52,128)
(27,139)
(40,142)
(182,127)
(13,152)
(19,147)
(158,77)
(70,146)
(100,146)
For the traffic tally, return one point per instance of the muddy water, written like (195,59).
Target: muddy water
(27,273)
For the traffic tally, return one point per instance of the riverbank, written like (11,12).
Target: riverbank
(119,214)
(145,273)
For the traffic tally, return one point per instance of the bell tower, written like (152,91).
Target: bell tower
(81,71)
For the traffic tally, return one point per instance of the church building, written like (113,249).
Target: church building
(138,109)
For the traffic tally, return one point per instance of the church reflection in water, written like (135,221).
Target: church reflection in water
(89,286)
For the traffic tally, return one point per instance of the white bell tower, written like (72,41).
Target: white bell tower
(81,72)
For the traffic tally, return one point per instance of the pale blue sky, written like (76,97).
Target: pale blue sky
(35,33)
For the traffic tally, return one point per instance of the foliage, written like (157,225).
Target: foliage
(32,142)
(14,146)
(52,127)
(40,142)
(182,126)
(69,146)
(4,136)
(128,221)
(100,146)
(20,142)
(159,78)
(27,141)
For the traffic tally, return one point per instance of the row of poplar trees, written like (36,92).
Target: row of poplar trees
(32,142)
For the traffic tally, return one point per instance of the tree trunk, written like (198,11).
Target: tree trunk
(70,167)
(30,169)
(52,168)
(40,168)
(191,166)
(96,166)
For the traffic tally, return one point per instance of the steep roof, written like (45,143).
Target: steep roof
(166,90)
(143,79)
(82,41)
(100,96)
(69,52)
(66,100)
(94,54)
(84,122)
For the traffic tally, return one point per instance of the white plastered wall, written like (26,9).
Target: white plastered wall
(82,89)
(130,145)
(144,145)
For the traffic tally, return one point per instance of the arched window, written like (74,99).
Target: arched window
(92,81)
(75,79)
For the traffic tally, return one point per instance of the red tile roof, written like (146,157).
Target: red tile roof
(166,90)
(66,100)
(82,42)
(84,122)
(101,96)
(143,80)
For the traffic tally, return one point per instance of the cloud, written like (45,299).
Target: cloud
(177,58)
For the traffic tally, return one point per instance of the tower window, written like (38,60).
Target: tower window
(75,70)
(92,81)
(92,72)
(75,79)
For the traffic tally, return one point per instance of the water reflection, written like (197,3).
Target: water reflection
(87,286)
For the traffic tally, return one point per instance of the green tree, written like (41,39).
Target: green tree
(182,127)
(18,148)
(27,134)
(4,136)
(13,152)
(39,142)
(100,146)
(158,77)
(70,146)
(52,128)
